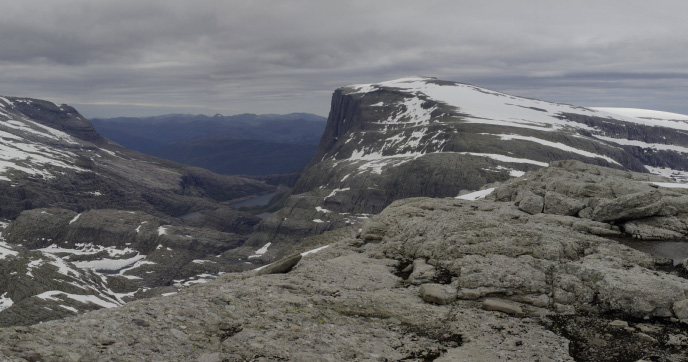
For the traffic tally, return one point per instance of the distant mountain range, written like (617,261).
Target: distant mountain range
(245,144)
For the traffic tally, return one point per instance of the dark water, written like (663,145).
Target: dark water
(675,250)
(261,200)
(193,215)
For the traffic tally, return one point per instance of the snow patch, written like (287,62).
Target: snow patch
(335,191)
(50,295)
(516,173)
(74,219)
(258,253)
(671,185)
(476,195)
(162,231)
(503,158)
(109,265)
(644,113)
(561,146)
(313,251)
(5,250)
(5,302)
(675,175)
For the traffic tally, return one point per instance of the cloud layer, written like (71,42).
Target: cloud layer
(125,57)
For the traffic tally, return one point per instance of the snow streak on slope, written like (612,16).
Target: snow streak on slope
(558,145)
(644,113)
(411,129)
(490,107)
(30,147)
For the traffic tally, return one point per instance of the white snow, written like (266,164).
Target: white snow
(50,295)
(483,105)
(201,278)
(320,209)
(162,231)
(643,113)
(335,191)
(258,253)
(490,107)
(671,185)
(63,268)
(656,146)
(302,254)
(312,251)
(476,195)
(5,250)
(88,249)
(109,264)
(138,228)
(7,102)
(202,261)
(168,294)
(33,264)
(516,173)
(375,161)
(503,158)
(136,265)
(72,309)
(74,219)
(561,146)
(5,302)
(676,175)
(318,220)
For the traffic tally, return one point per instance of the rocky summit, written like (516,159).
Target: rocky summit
(507,273)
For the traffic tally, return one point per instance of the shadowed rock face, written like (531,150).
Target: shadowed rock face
(424,137)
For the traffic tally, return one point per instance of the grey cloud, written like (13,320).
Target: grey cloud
(116,57)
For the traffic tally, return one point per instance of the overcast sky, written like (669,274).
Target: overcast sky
(147,57)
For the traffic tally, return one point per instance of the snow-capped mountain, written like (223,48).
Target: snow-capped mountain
(421,136)
(94,224)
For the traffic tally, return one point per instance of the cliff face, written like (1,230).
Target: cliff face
(425,137)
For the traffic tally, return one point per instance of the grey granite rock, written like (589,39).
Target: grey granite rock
(530,202)
(437,293)
(281,266)
(502,306)
(633,206)
(680,310)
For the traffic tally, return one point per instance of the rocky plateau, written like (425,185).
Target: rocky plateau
(513,275)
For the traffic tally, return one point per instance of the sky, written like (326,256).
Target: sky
(150,57)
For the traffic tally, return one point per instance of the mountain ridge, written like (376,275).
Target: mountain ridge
(421,136)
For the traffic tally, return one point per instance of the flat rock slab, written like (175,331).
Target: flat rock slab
(502,306)
(281,266)
(437,293)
